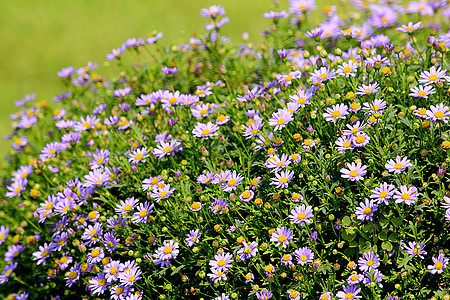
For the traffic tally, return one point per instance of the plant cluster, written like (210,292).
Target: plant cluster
(309,166)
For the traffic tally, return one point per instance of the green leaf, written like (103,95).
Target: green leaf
(403,262)
(348,237)
(397,221)
(353,244)
(387,246)
(384,223)
(393,237)
(177,270)
(383,235)
(346,221)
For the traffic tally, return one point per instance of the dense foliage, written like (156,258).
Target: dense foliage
(309,166)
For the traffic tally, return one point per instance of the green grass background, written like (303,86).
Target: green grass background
(38,38)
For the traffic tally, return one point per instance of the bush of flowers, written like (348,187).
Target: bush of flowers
(311,165)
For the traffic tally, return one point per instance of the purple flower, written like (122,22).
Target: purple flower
(280,119)
(336,112)
(355,171)
(169,71)
(248,250)
(98,285)
(221,262)
(138,155)
(205,130)
(143,210)
(264,294)
(370,260)
(281,179)
(217,205)
(399,165)
(43,253)
(233,181)
(414,248)
(406,195)
(66,72)
(167,148)
(122,92)
(282,236)
(247,196)
(383,193)
(439,264)
(301,214)
(349,293)
(365,210)
(304,255)
(193,237)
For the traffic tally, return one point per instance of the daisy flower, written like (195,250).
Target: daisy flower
(168,250)
(247,196)
(281,180)
(304,255)
(344,143)
(249,277)
(8,272)
(349,292)
(347,69)
(296,158)
(193,237)
(98,284)
(125,206)
(367,89)
(308,144)
(252,130)
(162,193)
(336,112)
(280,119)
(361,139)
(213,11)
(432,76)
(264,294)
(422,91)
(286,259)
(370,260)
(383,193)
(248,250)
(301,214)
(16,188)
(110,241)
(301,98)
(217,205)
(196,206)
(217,275)
(282,236)
(414,248)
(355,171)
(294,295)
(420,113)
(233,181)
(205,130)
(96,255)
(276,163)
(376,106)
(205,178)
(222,119)
(365,210)
(319,76)
(397,166)
(405,194)
(130,275)
(326,296)
(138,155)
(43,253)
(221,262)
(86,123)
(439,264)
(354,279)
(201,110)
(438,113)
(167,148)
(143,210)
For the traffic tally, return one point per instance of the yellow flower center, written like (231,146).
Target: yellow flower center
(354,277)
(167,250)
(131,278)
(409,28)
(415,251)
(323,76)
(308,142)
(63,259)
(438,265)
(301,216)
(143,213)
(301,100)
(367,210)
(347,70)
(154,180)
(119,291)
(367,91)
(422,93)
(206,132)
(303,258)
(52,151)
(49,205)
(268,268)
(232,182)
(384,20)
(127,207)
(221,118)
(347,144)
(99,160)
(92,215)
(254,131)
(282,238)
(138,156)
(221,263)
(203,111)
(45,253)
(248,276)
(398,166)
(383,194)
(246,195)
(336,114)
(369,262)
(102,282)
(280,121)
(289,77)
(353,173)
(349,295)
(360,139)
(283,180)
(73,274)
(432,77)
(195,205)
(93,231)
(294,294)
(406,196)
(375,107)
(439,114)
(95,253)
(422,111)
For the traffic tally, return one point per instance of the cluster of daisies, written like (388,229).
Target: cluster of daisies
(121,198)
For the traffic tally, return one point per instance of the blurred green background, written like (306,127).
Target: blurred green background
(38,38)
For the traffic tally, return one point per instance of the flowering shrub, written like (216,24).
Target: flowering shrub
(309,166)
